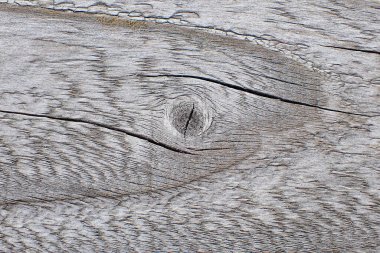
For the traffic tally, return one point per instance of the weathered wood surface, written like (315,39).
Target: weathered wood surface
(123,136)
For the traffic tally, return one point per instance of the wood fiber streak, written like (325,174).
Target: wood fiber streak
(126,136)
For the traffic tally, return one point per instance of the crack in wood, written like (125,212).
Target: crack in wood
(140,136)
(257,93)
(354,49)
(188,121)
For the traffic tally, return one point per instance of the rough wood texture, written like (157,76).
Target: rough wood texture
(125,136)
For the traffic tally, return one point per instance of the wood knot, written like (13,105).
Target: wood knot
(187,117)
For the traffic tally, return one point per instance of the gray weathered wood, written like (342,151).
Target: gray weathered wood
(337,37)
(119,135)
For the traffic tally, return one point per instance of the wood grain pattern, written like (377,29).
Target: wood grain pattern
(119,136)
(338,37)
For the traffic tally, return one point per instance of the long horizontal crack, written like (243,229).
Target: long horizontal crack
(354,49)
(254,92)
(140,136)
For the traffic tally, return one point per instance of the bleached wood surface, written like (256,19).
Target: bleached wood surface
(121,136)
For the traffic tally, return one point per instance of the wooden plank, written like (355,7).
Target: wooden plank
(124,136)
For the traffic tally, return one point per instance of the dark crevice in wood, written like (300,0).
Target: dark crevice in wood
(188,121)
(140,136)
(256,92)
(354,49)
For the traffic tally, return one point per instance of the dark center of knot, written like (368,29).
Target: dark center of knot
(187,119)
